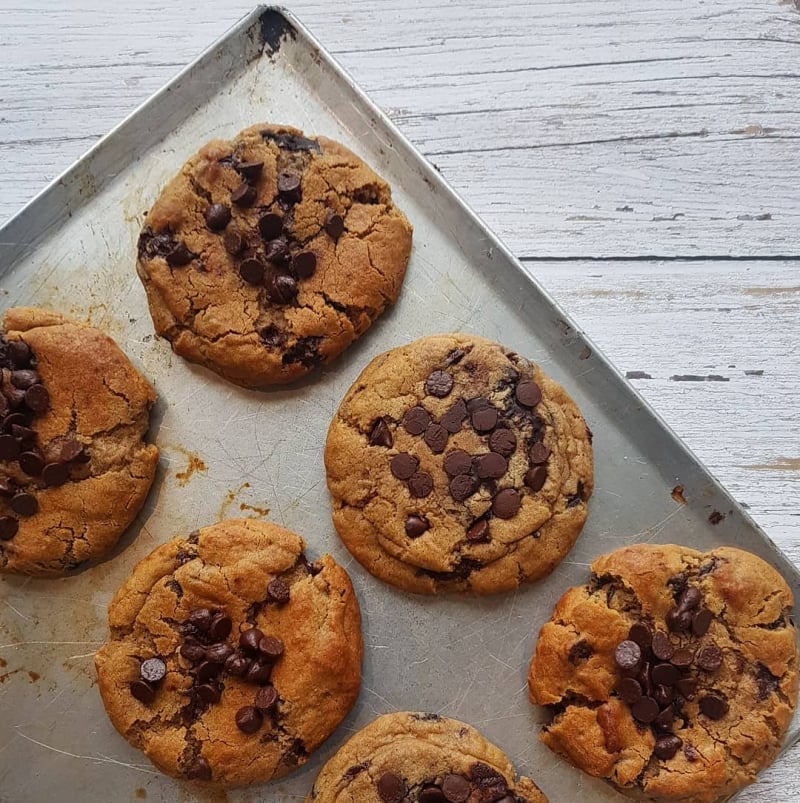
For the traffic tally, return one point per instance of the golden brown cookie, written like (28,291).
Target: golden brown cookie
(231,656)
(424,758)
(672,673)
(74,468)
(454,464)
(269,254)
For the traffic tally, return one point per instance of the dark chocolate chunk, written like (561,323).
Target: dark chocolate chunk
(645,681)
(304,264)
(416,526)
(667,746)
(207,670)
(713,706)
(709,657)
(220,627)
(258,672)
(682,658)
(244,195)
(249,639)
(266,698)
(278,591)
(431,794)
(219,653)
(628,655)
(9,527)
(457,462)
(252,271)
(305,351)
(334,225)
(701,621)
(528,393)
(492,466)
(629,690)
(9,447)
(208,693)
(439,384)
(277,251)
(664,695)
(270,648)
(645,710)
(234,242)
(25,378)
(767,682)
(478,531)
(218,216)
(642,635)
(403,465)
(37,398)
(143,691)
(503,441)
(250,171)
(664,674)
(579,651)
(282,289)
(436,437)
(249,719)
(484,777)
(689,598)
(199,770)
(687,687)
(416,420)
(179,256)
(691,754)
(679,620)
(192,650)
(484,419)
(391,788)
(535,478)
(270,225)
(24,504)
(237,664)
(506,504)
(454,417)
(665,720)
(463,486)
(381,435)
(292,142)
(73,451)
(420,484)
(55,474)
(153,670)
(662,646)
(289,187)
(538,454)
(456,788)
(7,488)
(271,336)
(200,619)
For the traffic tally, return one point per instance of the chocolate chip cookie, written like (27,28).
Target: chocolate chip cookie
(268,254)
(74,468)
(672,673)
(421,758)
(231,657)
(454,464)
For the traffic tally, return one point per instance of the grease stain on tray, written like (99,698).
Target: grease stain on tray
(677,495)
(260,511)
(194,464)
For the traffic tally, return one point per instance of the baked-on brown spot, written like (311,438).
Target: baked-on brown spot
(257,234)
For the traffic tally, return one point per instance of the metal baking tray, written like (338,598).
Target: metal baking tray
(227,451)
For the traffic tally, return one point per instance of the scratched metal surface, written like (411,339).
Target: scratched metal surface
(226,451)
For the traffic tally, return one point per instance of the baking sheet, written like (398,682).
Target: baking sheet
(227,451)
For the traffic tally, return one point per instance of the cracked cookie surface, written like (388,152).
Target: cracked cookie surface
(268,254)
(75,469)
(231,658)
(421,758)
(672,673)
(454,464)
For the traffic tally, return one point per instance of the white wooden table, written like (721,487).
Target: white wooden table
(641,158)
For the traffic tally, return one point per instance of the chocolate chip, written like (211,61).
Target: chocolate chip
(642,635)
(420,484)
(478,531)
(456,788)
(218,216)
(15,419)
(535,478)
(270,225)
(9,527)
(391,788)
(528,393)
(252,271)
(282,289)
(439,384)
(251,171)
(629,690)
(416,526)
(192,650)
(628,655)
(25,378)
(492,466)
(277,251)
(687,687)
(234,242)
(208,693)
(271,648)
(304,264)
(220,627)
(22,433)
(416,420)
(682,658)
(14,398)
(19,353)
(55,474)
(278,591)
(258,672)
(37,398)
(691,754)
(249,639)
(244,195)
(645,710)
(503,441)
(664,695)
(179,256)
(665,719)
(713,706)
(662,646)
(579,651)
(266,698)
(9,447)
(484,777)
(457,462)
(539,454)
(200,618)
(679,620)
(506,504)
(143,691)
(199,770)
(289,187)
(645,681)
(664,674)
(249,719)
(7,488)
(454,417)
(463,486)
(334,225)
(153,670)
(403,465)
(709,657)
(208,670)
(667,746)
(436,437)
(73,451)
(219,652)
(380,434)
(701,621)
(24,504)
(431,794)
(767,682)
(237,664)
(689,598)
(484,419)
(31,463)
